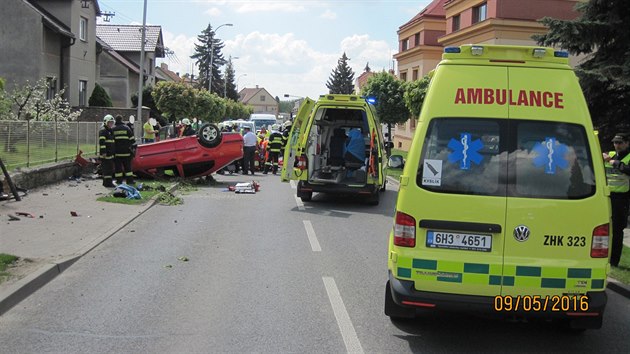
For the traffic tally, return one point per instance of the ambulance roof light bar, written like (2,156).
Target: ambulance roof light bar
(476,50)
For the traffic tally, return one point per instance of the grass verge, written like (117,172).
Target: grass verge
(622,273)
(5,261)
(146,194)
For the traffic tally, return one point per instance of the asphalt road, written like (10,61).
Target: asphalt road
(264,274)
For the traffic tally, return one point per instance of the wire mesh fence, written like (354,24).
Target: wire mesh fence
(29,143)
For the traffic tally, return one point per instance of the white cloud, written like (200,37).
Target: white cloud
(214,12)
(183,47)
(266,6)
(329,15)
(360,49)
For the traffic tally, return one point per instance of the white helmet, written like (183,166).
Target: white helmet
(186,121)
(287,124)
(274,127)
(108,118)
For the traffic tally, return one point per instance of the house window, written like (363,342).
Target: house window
(417,39)
(405,44)
(403,76)
(82,93)
(455,23)
(480,13)
(415,74)
(83,29)
(262,98)
(51,87)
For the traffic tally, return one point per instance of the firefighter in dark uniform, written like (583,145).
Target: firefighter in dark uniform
(124,140)
(285,136)
(106,150)
(274,146)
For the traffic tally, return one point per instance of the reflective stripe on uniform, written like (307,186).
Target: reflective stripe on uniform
(496,274)
(617,182)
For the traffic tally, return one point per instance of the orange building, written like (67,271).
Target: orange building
(445,23)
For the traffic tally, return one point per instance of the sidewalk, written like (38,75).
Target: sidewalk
(54,239)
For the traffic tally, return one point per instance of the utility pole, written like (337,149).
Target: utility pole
(137,127)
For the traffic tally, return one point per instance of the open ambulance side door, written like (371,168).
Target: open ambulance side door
(297,141)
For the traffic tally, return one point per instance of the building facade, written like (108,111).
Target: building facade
(260,99)
(445,23)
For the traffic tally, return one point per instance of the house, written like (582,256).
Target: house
(162,73)
(445,23)
(260,99)
(120,62)
(55,40)
(360,81)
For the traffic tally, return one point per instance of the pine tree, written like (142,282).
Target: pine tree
(208,42)
(601,32)
(99,97)
(229,81)
(342,78)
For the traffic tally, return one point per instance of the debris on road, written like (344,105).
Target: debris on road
(183,259)
(245,187)
(74,213)
(13,218)
(169,266)
(28,215)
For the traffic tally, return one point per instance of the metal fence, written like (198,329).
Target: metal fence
(26,143)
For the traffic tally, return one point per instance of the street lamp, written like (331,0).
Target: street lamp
(212,55)
(239,77)
(287,96)
(225,78)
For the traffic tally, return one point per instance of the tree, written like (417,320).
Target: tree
(99,97)
(415,92)
(207,43)
(389,94)
(602,33)
(147,101)
(342,78)
(176,100)
(5,104)
(208,106)
(230,84)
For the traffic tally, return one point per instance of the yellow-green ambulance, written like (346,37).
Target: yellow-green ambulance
(336,146)
(503,205)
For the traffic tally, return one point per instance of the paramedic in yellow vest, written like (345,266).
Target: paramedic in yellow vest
(149,133)
(618,175)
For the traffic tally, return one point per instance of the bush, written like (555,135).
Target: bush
(100,98)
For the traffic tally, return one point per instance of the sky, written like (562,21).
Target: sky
(286,46)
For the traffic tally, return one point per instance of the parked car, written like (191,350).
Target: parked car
(189,156)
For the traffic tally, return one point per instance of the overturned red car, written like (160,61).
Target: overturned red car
(189,156)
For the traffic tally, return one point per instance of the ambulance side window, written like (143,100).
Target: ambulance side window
(550,160)
(464,156)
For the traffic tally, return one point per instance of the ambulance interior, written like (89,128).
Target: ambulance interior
(327,144)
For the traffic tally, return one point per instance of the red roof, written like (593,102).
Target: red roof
(434,9)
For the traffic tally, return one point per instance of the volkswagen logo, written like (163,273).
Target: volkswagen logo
(521,233)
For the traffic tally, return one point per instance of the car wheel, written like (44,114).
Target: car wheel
(393,310)
(209,135)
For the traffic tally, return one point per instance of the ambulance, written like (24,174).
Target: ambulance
(336,146)
(503,205)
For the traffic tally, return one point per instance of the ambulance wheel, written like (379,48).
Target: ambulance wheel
(209,135)
(393,310)
(306,196)
(374,198)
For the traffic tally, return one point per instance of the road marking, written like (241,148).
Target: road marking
(292,183)
(310,232)
(343,319)
(299,203)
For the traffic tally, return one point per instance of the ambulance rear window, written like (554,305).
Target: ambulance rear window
(463,156)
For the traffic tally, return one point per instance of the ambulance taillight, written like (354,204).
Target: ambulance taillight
(405,230)
(599,247)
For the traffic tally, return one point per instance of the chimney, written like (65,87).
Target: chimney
(256,86)
(164,66)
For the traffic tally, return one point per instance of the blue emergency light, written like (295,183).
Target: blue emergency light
(452,50)
(561,54)
(371,100)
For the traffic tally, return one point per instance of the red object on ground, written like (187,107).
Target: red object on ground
(188,156)
(80,160)
(28,215)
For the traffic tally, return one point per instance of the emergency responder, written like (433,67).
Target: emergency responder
(107,150)
(187,129)
(249,149)
(618,175)
(123,142)
(274,147)
(285,135)
(149,132)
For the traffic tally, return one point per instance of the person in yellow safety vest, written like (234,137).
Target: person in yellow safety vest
(149,133)
(123,145)
(274,146)
(107,150)
(617,165)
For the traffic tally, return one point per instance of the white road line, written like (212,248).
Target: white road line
(292,183)
(310,232)
(343,319)
(299,203)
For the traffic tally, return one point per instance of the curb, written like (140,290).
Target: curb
(613,284)
(26,286)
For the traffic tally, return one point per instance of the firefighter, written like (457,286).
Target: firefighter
(123,142)
(106,150)
(274,146)
(285,135)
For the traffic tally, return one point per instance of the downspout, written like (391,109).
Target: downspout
(61,49)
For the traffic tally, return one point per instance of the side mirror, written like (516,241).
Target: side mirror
(396,161)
